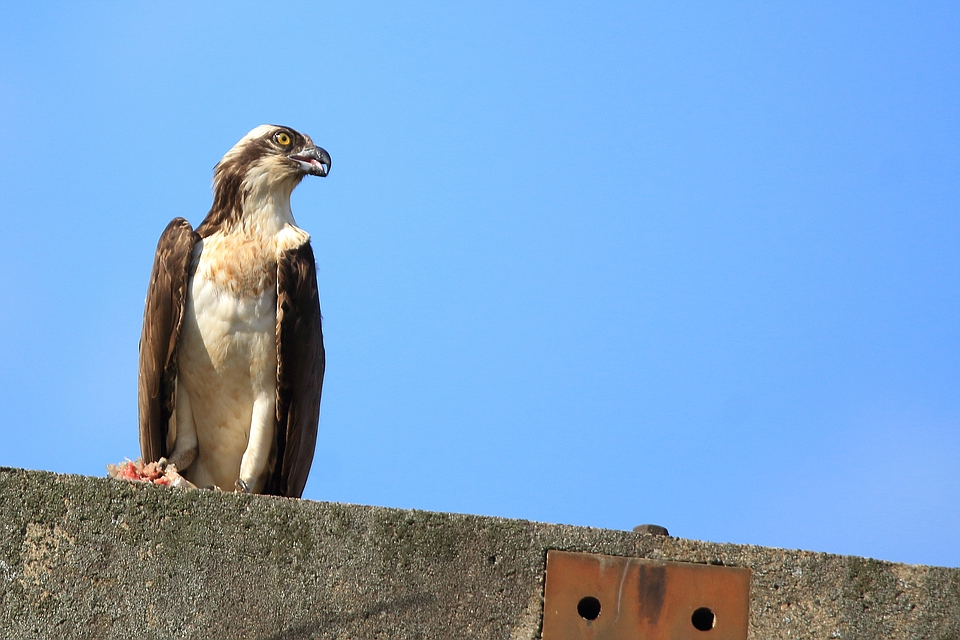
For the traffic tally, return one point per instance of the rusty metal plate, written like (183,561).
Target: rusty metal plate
(596,597)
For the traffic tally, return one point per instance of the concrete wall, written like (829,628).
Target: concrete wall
(96,558)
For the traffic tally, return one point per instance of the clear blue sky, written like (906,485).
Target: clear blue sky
(693,264)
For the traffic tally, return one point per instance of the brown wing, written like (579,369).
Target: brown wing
(300,365)
(162,318)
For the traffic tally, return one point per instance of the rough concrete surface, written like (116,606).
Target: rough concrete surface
(95,558)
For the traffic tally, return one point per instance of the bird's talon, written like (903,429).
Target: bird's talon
(243,486)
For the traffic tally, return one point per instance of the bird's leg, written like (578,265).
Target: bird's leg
(185,448)
(257,454)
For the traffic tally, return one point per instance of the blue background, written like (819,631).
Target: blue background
(695,264)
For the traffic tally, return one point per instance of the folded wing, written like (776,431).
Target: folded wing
(300,365)
(162,319)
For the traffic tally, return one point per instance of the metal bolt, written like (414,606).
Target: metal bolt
(651,529)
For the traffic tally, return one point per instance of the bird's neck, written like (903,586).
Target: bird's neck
(254,206)
(267,210)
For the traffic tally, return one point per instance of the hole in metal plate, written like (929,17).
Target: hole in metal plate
(588,608)
(703,619)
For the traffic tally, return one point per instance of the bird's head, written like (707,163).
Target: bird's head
(274,153)
(271,159)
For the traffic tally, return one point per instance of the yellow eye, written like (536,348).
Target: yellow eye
(283,139)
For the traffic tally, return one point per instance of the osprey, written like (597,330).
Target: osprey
(231,353)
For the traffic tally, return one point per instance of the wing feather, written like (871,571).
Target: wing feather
(162,318)
(300,365)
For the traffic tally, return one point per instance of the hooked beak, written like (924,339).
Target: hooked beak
(313,160)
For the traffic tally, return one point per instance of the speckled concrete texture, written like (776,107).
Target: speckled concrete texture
(95,558)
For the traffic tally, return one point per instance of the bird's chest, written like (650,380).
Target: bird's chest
(240,265)
(232,301)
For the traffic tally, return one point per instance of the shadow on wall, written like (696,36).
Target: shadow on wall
(312,629)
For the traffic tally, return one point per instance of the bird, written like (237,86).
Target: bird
(231,352)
